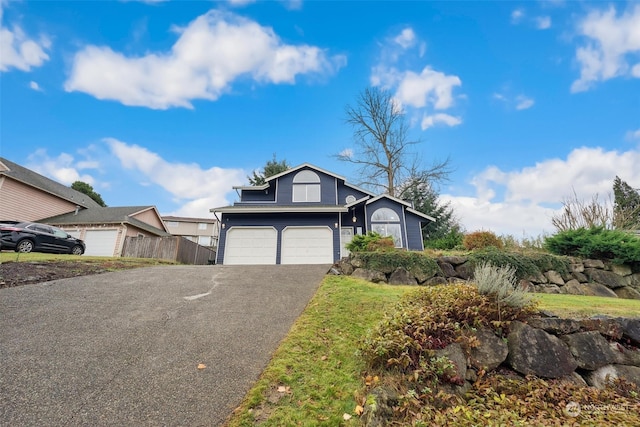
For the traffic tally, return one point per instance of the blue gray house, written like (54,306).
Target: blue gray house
(306,215)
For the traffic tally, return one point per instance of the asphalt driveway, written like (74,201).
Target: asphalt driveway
(123,348)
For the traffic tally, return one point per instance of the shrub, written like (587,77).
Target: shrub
(597,242)
(415,262)
(499,284)
(525,265)
(451,240)
(481,240)
(371,241)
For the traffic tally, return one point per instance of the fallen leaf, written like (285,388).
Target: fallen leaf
(284,389)
(323,358)
(359,410)
(346,416)
(201,366)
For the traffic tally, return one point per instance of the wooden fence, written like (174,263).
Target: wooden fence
(173,248)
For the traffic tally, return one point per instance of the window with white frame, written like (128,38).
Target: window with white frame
(202,226)
(386,222)
(306,187)
(172,223)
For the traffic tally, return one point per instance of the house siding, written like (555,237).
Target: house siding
(327,189)
(344,191)
(279,221)
(151,217)
(13,202)
(397,208)
(414,231)
(261,196)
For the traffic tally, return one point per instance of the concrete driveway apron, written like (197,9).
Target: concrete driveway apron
(123,348)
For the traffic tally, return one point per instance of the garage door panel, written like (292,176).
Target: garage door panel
(100,242)
(307,245)
(251,245)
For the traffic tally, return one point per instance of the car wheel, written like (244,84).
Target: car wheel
(24,246)
(77,250)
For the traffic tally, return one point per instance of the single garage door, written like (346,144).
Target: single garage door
(307,245)
(100,242)
(251,245)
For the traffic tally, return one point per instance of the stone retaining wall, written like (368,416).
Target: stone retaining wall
(585,277)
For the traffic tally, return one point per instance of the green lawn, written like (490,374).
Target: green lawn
(6,256)
(315,376)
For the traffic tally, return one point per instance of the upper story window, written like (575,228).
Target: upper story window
(306,187)
(202,226)
(171,223)
(386,222)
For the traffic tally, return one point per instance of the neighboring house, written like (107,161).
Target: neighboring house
(28,196)
(203,231)
(307,215)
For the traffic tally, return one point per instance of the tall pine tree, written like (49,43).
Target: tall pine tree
(626,206)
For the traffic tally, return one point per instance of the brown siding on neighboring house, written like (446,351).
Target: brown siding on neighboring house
(150,217)
(19,201)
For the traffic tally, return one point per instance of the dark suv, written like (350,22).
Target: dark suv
(35,237)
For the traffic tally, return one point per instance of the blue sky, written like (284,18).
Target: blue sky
(173,103)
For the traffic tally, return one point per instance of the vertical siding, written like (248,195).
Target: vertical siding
(327,189)
(13,195)
(414,232)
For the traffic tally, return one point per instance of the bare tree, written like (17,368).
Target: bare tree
(383,146)
(578,213)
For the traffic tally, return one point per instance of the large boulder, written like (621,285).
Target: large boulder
(456,355)
(590,349)
(597,290)
(631,330)
(593,263)
(378,408)
(607,278)
(606,326)
(454,260)
(402,277)
(490,352)
(554,325)
(435,281)
(621,270)
(533,351)
(601,376)
(465,271)
(554,277)
(627,292)
(447,269)
(624,355)
(369,275)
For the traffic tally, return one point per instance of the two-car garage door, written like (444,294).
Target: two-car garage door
(258,245)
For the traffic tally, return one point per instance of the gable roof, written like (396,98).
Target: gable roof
(100,215)
(407,205)
(33,179)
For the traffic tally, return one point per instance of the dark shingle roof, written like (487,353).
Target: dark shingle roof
(100,215)
(43,183)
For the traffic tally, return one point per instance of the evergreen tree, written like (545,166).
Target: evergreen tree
(626,206)
(272,167)
(87,189)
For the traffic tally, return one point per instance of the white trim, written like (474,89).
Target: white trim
(357,202)
(279,209)
(331,247)
(251,187)
(241,227)
(309,165)
(415,212)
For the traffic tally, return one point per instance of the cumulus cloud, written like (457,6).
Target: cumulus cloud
(63,168)
(440,118)
(517,15)
(211,53)
(611,47)
(196,189)
(18,49)
(524,201)
(422,91)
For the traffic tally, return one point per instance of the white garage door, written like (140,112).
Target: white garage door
(251,245)
(307,245)
(100,242)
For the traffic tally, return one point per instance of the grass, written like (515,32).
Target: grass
(317,369)
(586,306)
(6,256)
(316,365)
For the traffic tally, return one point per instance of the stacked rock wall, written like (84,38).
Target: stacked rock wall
(585,277)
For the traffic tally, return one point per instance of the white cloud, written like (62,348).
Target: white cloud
(347,152)
(62,168)
(517,15)
(446,119)
(35,86)
(428,87)
(196,189)
(529,197)
(523,102)
(19,50)
(543,22)
(211,53)
(633,135)
(611,43)
(406,38)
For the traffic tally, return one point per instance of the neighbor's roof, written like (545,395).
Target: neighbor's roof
(33,179)
(100,215)
(188,219)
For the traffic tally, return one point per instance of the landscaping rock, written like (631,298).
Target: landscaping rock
(630,330)
(456,355)
(402,277)
(627,292)
(625,356)
(454,260)
(369,275)
(597,290)
(533,351)
(422,275)
(590,350)
(576,267)
(490,352)
(554,277)
(604,325)
(573,287)
(434,281)
(378,408)
(621,270)
(465,271)
(580,277)
(447,269)
(554,325)
(600,377)
(607,278)
(526,286)
(549,289)
(593,263)
(574,378)
(537,278)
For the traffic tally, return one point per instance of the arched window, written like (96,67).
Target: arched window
(306,187)
(386,222)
